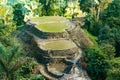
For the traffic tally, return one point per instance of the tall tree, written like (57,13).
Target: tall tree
(47,7)
(112,14)
(93,8)
(11,58)
(19,12)
(97,64)
(111,17)
(114,71)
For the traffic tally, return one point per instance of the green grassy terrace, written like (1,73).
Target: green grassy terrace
(52,27)
(57,45)
(52,24)
(47,19)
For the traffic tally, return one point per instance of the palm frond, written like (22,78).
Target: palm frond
(3,56)
(3,66)
(13,51)
(17,65)
(2,50)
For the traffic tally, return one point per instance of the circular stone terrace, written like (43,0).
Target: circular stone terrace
(56,68)
(52,24)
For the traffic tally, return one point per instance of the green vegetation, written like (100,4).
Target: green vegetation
(12,54)
(26,71)
(38,77)
(57,45)
(46,19)
(10,59)
(92,37)
(19,11)
(50,23)
(102,21)
(52,27)
(102,26)
(97,64)
(114,71)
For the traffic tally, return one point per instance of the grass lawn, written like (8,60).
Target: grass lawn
(53,27)
(50,23)
(58,45)
(47,19)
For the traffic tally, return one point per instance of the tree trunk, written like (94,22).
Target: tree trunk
(98,14)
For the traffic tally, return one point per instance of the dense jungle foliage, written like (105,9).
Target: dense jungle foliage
(102,21)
